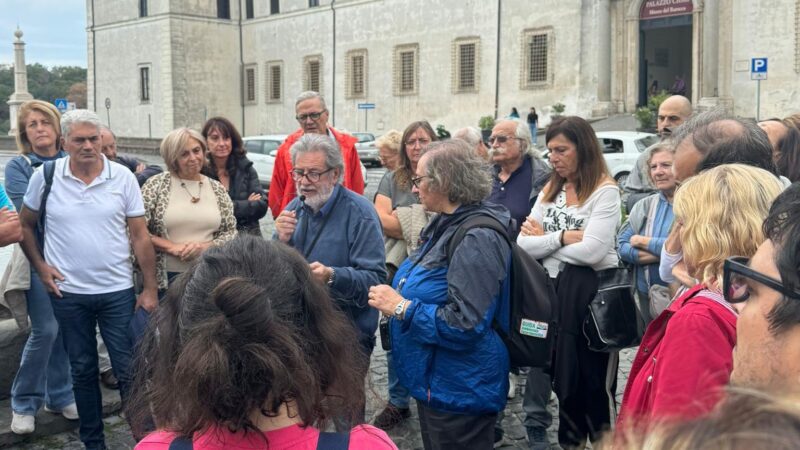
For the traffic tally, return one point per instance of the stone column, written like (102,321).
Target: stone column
(603,106)
(20,94)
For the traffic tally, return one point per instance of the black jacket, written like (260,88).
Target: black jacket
(244,181)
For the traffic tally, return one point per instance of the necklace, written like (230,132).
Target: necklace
(199,190)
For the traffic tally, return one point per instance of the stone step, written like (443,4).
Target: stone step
(48,424)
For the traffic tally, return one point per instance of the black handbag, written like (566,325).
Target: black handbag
(610,323)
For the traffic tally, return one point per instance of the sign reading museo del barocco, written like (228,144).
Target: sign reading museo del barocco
(654,9)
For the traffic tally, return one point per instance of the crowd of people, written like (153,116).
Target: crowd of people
(219,337)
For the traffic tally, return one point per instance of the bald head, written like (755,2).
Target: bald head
(672,112)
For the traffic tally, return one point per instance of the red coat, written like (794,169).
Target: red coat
(684,361)
(282,189)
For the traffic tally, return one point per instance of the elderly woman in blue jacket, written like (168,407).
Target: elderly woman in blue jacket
(444,348)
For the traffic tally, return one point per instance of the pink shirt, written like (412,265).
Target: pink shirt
(362,437)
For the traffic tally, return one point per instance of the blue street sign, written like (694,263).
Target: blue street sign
(61,105)
(758,69)
(366,106)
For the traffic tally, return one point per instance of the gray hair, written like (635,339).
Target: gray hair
(307,95)
(105,128)
(470,135)
(523,134)
(76,116)
(309,143)
(456,171)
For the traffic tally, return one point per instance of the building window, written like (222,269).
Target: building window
(537,64)
(465,64)
(274,6)
(142,8)
(356,74)
(313,3)
(274,80)
(406,73)
(250,84)
(223,9)
(248,9)
(312,76)
(144,84)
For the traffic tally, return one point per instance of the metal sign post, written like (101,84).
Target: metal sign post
(366,107)
(758,72)
(108,111)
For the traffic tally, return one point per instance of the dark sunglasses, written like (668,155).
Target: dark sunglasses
(736,272)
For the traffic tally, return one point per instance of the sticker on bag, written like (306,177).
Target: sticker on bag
(533,328)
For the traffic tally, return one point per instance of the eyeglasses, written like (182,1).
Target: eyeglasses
(416,180)
(313,116)
(421,142)
(313,177)
(499,138)
(734,281)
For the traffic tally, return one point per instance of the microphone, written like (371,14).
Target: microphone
(302,203)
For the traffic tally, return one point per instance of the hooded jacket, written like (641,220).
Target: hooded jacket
(445,350)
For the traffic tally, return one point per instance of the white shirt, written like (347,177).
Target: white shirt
(86,236)
(599,217)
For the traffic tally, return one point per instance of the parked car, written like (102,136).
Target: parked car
(367,150)
(621,149)
(262,150)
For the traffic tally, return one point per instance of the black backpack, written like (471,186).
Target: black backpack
(526,316)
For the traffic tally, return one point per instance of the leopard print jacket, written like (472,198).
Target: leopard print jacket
(155,194)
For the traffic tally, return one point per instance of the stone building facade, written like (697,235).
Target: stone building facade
(170,63)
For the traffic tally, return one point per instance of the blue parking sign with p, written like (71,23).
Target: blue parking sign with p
(758,69)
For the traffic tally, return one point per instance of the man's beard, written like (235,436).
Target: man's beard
(316,201)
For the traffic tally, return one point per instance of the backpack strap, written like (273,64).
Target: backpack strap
(49,169)
(181,443)
(476,221)
(333,441)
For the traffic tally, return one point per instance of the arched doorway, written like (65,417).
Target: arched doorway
(665,48)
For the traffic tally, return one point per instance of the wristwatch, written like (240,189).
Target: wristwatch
(398,310)
(332,277)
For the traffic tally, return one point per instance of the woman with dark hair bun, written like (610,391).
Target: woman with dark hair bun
(247,351)
(228,164)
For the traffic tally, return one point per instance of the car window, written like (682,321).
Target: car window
(253,146)
(611,145)
(364,137)
(270,146)
(643,143)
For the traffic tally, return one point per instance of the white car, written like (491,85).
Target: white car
(621,149)
(367,150)
(262,150)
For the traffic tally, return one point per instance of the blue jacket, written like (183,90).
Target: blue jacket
(352,244)
(445,350)
(636,224)
(19,172)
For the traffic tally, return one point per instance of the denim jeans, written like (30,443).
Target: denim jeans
(78,314)
(532,127)
(43,376)
(398,394)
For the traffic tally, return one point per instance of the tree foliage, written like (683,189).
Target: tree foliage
(44,84)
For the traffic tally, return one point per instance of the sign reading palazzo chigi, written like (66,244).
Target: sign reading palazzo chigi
(654,9)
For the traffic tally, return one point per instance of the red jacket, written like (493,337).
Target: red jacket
(684,361)
(282,189)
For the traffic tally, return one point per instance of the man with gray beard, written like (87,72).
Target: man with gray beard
(336,230)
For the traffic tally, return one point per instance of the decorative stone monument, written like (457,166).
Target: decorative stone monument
(21,94)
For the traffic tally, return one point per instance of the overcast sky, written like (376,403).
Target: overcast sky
(54,31)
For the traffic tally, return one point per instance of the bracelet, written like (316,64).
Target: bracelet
(561,238)
(332,277)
